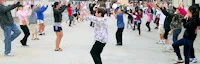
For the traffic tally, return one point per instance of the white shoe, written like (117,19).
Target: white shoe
(10,55)
(160,42)
(168,48)
(163,41)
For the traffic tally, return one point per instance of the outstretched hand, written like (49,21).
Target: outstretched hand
(66,4)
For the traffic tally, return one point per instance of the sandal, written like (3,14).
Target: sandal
(36,39)
(33,39)
(58,49)
(180,61)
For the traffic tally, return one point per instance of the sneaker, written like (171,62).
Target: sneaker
(160,42)
(9,54)
(193,60)
(25,45)
(169,48)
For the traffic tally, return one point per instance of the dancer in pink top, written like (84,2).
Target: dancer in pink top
(22,15)
(149,13)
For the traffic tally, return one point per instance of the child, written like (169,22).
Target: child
(134,20)
(22,14)
(33,22)
(149,13)
(139,21)
(120,25)
(101,34)
(69,9)
(40,17)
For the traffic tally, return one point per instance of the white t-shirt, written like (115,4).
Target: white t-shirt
(162,16)
(107,4)
(114,6)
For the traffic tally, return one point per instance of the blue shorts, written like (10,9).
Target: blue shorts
(57,28)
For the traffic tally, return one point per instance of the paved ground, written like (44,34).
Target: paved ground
(78,40)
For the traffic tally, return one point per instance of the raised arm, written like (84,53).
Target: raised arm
(43,8)
(4,9)
(62,9)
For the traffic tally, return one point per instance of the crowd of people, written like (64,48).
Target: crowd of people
(168,19)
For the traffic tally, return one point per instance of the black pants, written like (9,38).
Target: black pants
(148,26)
(188,49)
(91,24)
(119,35)
(70,20)
(26,34)
(138,27)
(96,52)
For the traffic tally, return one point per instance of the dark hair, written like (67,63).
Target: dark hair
(32,6)
(69,5)
(174,8)
(102,11)
(192,9)
(55,4)
(21,6)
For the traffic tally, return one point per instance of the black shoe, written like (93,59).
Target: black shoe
(22,42)
(40,34)
(25,45)
(118,44)
(133,29)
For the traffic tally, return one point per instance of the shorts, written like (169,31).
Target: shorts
(57,28)
(161,29)
(75,15)
(40,21)
(33,28)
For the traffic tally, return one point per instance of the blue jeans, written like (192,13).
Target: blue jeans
(188,45)
(10,37)
(176,33)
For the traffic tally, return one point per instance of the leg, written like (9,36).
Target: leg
(96,52)
(166,36)
(58,39)
(32,29)
(26,34)
(70,20)
(43,27)
(36,30)
(192,54)
(40,28)
(121,36)
(177,49)
(139,28)
(176,33)
(187,46)
(16,32)
(148,26)
(7,40)
(117,36)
